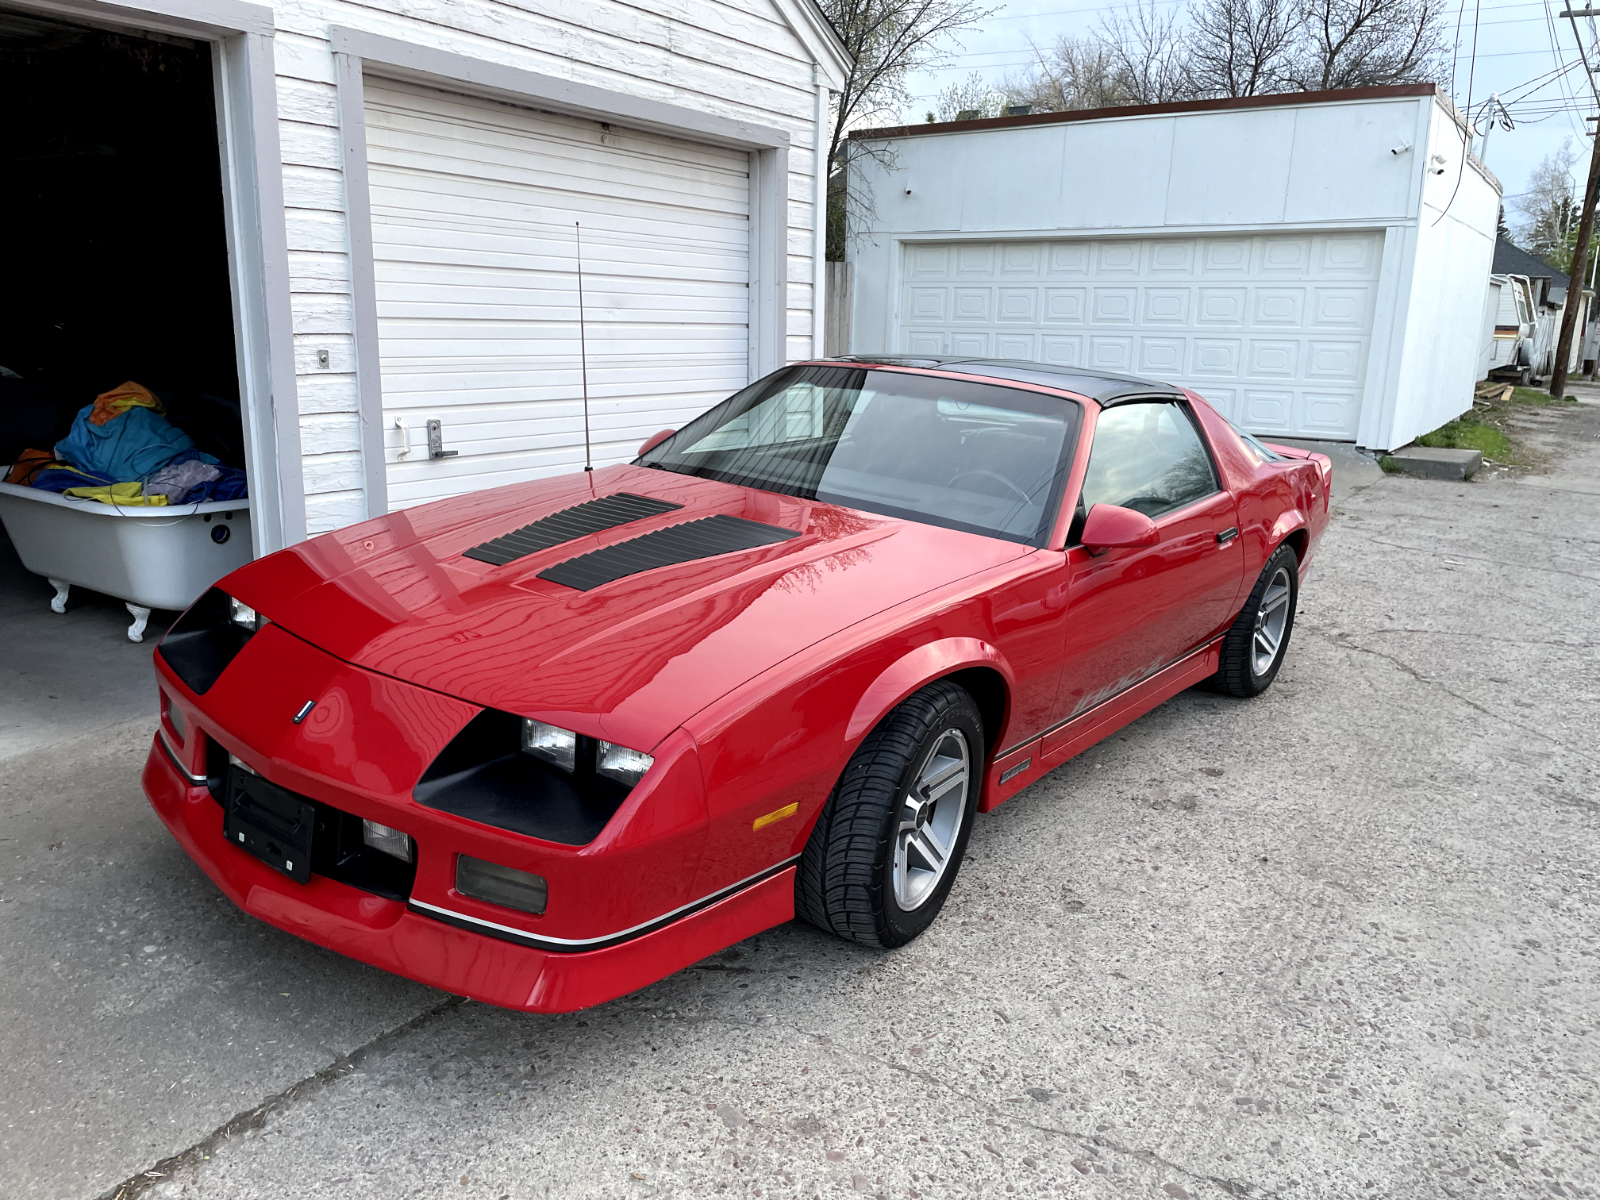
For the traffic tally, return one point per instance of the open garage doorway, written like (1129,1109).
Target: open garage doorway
(121,436)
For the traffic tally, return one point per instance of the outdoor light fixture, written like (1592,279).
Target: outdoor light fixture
(390,841)
(555,745)
(494,884)
(625,766)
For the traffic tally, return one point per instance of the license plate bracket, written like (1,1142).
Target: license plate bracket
(270,822)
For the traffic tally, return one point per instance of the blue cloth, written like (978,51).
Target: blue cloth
(131,446)
(59,479)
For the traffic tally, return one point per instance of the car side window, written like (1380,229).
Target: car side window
(1147,456)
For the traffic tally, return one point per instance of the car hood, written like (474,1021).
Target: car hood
(630,660)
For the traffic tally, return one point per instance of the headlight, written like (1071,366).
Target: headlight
(625,766)
(557,746)
(531,777)
(203,641)
(245,617)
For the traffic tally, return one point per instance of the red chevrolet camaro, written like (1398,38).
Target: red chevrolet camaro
(545,744)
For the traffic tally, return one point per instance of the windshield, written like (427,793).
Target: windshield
(949,452)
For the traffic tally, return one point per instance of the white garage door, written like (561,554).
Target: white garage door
(1273,330)
(473,205)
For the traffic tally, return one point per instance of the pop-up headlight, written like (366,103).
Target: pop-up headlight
(531,777)
(625,766)
(208,637)
(555,745)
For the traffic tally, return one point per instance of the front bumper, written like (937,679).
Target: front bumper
(388,934)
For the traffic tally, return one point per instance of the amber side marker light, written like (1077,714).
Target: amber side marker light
(494,884)
(776,815)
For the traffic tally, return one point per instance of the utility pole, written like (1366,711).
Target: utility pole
(1580,251)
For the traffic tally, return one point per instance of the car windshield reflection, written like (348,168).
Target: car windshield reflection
(966,455)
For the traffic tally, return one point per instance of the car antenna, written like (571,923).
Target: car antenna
(583,350)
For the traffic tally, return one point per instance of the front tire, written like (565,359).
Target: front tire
(1253,648)
(886,849)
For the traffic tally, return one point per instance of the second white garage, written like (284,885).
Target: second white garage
(1313,264)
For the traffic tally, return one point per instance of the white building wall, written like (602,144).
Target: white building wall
(739,61)
(1442,320)
(1355,164)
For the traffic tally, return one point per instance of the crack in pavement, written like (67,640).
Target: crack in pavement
(1344,640)
(1233,1187)
(1462,556)
(1489,637)
(255,1118)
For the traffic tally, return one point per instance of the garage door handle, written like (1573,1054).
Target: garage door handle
(1227,535)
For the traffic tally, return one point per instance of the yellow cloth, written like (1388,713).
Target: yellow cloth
(123,495)
(112,404)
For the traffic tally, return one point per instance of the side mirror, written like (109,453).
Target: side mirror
(654,440)
(1110,527)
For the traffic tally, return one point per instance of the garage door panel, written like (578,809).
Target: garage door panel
(1011,345)
(473,211)
(1159,307)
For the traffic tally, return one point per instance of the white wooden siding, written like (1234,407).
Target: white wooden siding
(1274,330)
(736,60)
(473,210)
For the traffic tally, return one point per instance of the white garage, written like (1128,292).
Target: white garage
(1311,264)
(474,213)
(1273,330)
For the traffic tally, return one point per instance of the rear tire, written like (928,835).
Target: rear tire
(1253,648)
(886,849)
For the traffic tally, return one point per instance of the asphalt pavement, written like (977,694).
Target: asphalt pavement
(1339,941)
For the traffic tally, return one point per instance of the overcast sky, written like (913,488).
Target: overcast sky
(1520,45)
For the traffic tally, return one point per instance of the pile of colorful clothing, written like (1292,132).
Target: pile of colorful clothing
(122,450)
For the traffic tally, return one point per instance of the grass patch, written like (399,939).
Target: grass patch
(1467,432)
(1391,466)
(1524,395)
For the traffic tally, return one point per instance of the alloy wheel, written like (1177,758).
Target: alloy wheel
(930,819)
(1272,621)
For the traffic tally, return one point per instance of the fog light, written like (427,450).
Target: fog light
(391,841)
(624,765)
(557,746)
(245,617)
(494,884)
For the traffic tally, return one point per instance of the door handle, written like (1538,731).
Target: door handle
(436,441)
(1227,535)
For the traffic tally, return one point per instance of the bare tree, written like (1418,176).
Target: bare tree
(886,39)
(1367,43)
(1242,47)
(1148,61)
(973,96)
(1075,73)
(1549,209)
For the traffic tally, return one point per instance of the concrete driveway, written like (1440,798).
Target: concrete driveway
(1340,941)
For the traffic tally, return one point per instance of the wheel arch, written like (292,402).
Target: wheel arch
(972,664)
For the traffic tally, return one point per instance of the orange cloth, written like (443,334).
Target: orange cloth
(112,404)
(29,463)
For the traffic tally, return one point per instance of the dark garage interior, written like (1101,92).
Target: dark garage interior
(116,271)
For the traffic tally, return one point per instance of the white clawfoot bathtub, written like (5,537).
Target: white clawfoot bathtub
(146,557)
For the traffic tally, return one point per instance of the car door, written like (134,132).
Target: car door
(1134,610)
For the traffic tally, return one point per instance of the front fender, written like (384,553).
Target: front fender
(915,670)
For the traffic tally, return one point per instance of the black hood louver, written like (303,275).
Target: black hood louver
(592,516)
(705,538)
